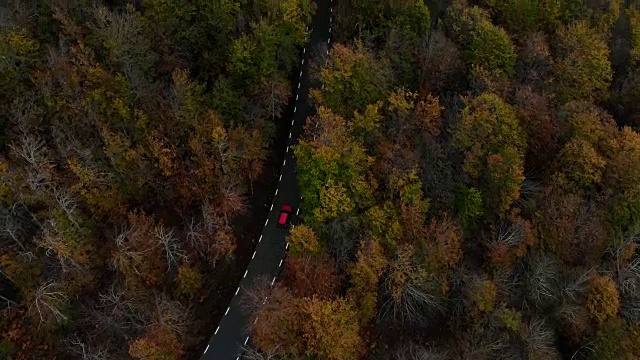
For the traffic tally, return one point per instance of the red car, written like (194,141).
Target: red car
(285,216)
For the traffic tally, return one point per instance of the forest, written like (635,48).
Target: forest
(469,187)
(469,178)
(131,138)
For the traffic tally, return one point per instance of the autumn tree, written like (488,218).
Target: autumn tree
(582,70)
(330,331)
(332,169)
(364,276)
(483,43)
(284,313)
(411,294)
(311,276)
(157,343)
(494,145)
(354,71)
(602,300)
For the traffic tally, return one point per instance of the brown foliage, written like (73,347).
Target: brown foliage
(442,245)
(571,227)
(331,331)
(158,343)
(428,113)
(603,300)
(308,276)
(510,242)
(535,117)
(279,324)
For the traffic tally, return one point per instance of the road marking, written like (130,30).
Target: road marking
(226,312)
(289,135)
(302,61)
(285,160)
(238,358)
(292,122)
(276,192)
(329,30)
(297,211)
(296,97)
(300,73)
(205,350)
(279,265)
(331,9)
(246,340)
(287,247)
(329,41)
(298,85)
(266,222)
(323,86)
(307,28)
(295,108)
(237,290)
(287,149)
(254,255)
(327,51)
(218,328)
(260,238)
(280,179)
(273,281)
(245,273)
(304,50)
(256,320)
(271,207)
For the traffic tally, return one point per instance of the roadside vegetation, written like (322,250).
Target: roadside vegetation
(470,187)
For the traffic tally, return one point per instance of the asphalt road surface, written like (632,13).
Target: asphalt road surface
(266,261)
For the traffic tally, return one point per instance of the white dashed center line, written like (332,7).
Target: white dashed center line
(245,273)
(205,350)
(237,290)
(254,255)
(226,312)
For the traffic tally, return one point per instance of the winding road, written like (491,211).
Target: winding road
(268,257)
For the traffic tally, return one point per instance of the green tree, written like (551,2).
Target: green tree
(483,43)
(354,71)
(494,146)
(583,69)
(332,169)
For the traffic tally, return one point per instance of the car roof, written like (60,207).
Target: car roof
(283,218)
(287,207)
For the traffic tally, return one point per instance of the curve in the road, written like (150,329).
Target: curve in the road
(267,259)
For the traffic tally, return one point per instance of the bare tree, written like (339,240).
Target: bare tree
(170,245)
(539,341)
(172,314)
(12,226)
(249,353)
(120,313)
(254,297)
(32,150)
(127,259)
(413,351)
(67,204)
(541,281)
(411,295)
(86,350)
(54,241)
(629,285)
(49,303)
